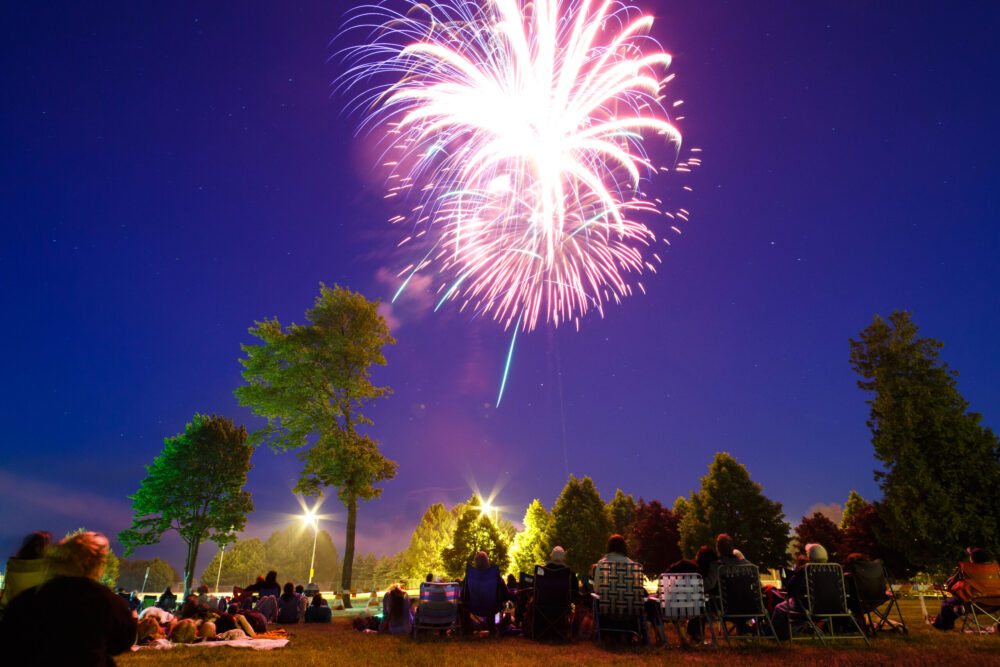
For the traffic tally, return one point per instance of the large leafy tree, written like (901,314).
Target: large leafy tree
(855,503)
(653,537)
(730,502)
(621,512)
(474,532)
(241,564)
(818,529)
(431,536)
(195,486)
(531,544)
(941,467)
(312,383)
(580,524)
(132,575)
(290,552)
(868,535)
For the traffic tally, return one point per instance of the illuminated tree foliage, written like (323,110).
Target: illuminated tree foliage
(653,537)
(941,467)
(290,551)
(730,502)
(132,574)
(580,524)
(530,546)
(474,532)
(855,503)
(195,486)
(242,563)
(312,382)
(621,512)
(432,535)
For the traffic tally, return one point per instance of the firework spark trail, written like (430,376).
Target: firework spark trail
(519,128)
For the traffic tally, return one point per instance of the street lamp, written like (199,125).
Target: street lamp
(486,508)
(311,517)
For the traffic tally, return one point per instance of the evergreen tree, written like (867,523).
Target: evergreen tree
(941,467)
(580,524)
(432,535)
(818,529)
(621,512)
(730,502)
(242,562)
(474,532)
(387,571)
(195,486)
(855,503)
(653,537)
(312,383)
(530,545)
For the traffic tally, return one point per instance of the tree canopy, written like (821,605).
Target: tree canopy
(312,383)
(621,512)
(242,563)
(195,486)
(855,503)
(818,529)
(653,537)
(580,524)
(474,532)
(730,502)
(531,544)
(132,574)
(941,472)
(431,536)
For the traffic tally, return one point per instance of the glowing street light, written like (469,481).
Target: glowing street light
(311,517)
(486,508)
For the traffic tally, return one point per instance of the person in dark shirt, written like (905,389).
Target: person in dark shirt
(99,623)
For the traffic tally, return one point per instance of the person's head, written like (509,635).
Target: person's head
(203,589)
(147,630)
(206,630)
(289,589)
(481,561)
(272,578)
(724,545)
(852,559)
(430,577)
(511,581)
(558,555)
(81,554)
(816,553)
(616,545)
(977,555)
(317,600)
(360,623)
(167,591)
(300,589)
(233,609)
(184,632)
(34,545)
(397,602)
(704,558)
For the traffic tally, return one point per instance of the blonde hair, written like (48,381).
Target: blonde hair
(82,554)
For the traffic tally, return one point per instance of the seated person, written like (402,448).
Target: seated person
(167,601)
(318,611)
(396,618)
(288,605)
(792,610)
(26,568)
(471,598)
(701,564)
(728,555)
(617,552)
(980,562)
(99,623)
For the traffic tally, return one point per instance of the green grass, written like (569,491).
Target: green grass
(337,644)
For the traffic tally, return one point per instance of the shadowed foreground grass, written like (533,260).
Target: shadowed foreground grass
(337,643)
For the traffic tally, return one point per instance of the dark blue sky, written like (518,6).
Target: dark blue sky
(172,172)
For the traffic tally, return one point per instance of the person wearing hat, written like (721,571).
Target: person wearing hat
(557,561)
(792,608)
(980,563)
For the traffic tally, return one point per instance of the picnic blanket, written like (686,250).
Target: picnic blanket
(262,642)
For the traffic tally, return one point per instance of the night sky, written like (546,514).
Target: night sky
(172,172)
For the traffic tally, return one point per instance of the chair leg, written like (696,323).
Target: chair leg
(711,628)
(860,632)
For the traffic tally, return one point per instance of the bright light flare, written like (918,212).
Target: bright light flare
(520,128)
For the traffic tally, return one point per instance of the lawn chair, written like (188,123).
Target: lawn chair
(741,601)
(826,600)
(148,601)
(619,598)
(552,604)
(871,598)
(438,607)
(482,595)
(978,587)
(682,598)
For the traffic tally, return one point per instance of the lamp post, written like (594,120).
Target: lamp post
(312,518)
(222,554)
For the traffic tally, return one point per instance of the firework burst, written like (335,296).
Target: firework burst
(518,129)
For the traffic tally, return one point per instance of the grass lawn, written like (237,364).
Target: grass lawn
(337,644)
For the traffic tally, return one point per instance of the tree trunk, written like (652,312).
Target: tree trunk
(189,563)
(352,523)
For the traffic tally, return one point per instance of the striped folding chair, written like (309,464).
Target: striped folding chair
(438,607)
(682,598)
(619,597)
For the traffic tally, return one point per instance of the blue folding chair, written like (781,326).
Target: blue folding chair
(438,607)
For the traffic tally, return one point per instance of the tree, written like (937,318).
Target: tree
(432,535)
(730,502)
(530,546)
(195,486)
(132,575)
(941,468)
(818,529)
(869,536)
(653,537)
(855,503)
(364,571)
(580,524)
(387,571)
(290,553)
(474,532)
(621,512)
(241,564)
(312,382)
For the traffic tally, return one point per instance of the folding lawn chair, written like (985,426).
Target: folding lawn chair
(552,604)
(826,600)
(871,598)
(682,598)
(741,601)
(619,598)
(978,588)
(438,607)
